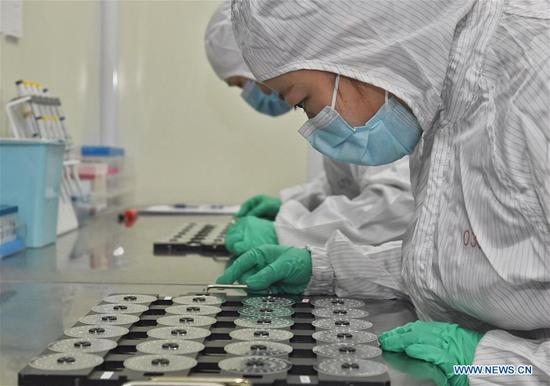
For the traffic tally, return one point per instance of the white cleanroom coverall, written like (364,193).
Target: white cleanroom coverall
(476,75)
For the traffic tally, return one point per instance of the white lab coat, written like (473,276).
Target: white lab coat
(476,74)
(371,205)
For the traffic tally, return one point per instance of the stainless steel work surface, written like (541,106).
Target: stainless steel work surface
(105,252)
(43,291)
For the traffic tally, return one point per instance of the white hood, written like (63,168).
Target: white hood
(222,50)
(400,46)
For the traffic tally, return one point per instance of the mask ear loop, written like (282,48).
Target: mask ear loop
(386,97)
(335,92)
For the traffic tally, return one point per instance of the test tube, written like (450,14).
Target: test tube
(37,110)
(31,130)
(21,90)
(59,113)
(48,108)
(42,111)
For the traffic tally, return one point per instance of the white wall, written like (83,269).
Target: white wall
(59,47)
(191,137)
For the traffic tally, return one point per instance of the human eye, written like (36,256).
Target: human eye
(299,105)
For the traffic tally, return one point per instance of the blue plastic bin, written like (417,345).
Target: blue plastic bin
(30,174)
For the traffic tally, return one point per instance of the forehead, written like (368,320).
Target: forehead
(284,81)
(298,77)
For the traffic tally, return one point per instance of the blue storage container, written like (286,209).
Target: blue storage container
(101,151)
(30,174)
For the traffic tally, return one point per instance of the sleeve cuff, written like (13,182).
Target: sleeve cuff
(501,347)
(322,278)
(291,193)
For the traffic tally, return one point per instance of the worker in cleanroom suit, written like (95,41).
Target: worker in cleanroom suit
(464,88)
(370,205)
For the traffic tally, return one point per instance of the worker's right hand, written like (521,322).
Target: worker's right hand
(282,269)
(249,232)
(260,206)
(443,344)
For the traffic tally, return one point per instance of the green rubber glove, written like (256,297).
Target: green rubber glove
(420,370)
(443,344)
(260,206)
(249,232)
(282,269)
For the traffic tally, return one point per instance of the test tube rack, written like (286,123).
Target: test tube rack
(38,115)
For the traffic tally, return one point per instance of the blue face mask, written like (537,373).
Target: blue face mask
(270,104)
(389,135)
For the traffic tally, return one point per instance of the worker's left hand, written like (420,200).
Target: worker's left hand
(249,232)
(282,269)
(443,344)
(260,206)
